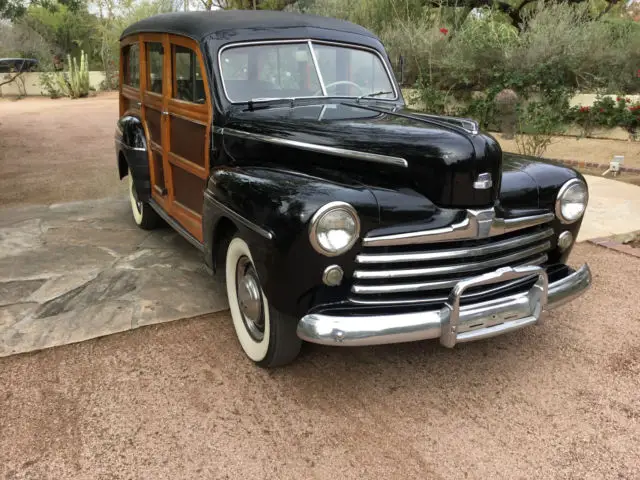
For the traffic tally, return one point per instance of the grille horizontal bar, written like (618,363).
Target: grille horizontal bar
(422,286)
(455,253)
(448,269)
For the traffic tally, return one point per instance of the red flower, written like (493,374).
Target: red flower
(444,31)
(584,109)
(618,99)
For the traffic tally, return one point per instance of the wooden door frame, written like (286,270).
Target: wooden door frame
(157,102)
(201,114)
(127,92)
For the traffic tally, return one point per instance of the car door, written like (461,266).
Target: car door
(188,133)
(177,115)
(153,86)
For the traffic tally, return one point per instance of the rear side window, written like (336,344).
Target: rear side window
(155,59)
(131,65)
(187,77)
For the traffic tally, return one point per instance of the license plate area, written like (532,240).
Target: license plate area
(487,319)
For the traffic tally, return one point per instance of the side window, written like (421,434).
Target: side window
(131,64)
(187,77)
(155,58)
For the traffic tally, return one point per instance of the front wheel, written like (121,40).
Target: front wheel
(144,216)
(266,336)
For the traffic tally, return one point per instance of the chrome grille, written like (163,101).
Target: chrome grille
(406,274)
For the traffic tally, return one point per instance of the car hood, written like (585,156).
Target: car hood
(443,160)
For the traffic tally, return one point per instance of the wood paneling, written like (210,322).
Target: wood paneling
(188,139)
(158,167)
(188,189)
(154,124)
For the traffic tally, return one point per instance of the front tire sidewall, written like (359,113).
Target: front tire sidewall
(255,350)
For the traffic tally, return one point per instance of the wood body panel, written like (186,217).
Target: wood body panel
(178,131)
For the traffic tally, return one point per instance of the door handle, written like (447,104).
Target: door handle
(165,113)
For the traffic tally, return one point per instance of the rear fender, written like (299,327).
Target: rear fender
(131,143)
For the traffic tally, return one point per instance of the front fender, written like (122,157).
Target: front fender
(272,209)
(131,143)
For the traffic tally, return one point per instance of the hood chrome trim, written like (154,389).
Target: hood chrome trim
(477,224)
(314,147)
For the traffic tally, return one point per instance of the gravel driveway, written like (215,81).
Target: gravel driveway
(181,401)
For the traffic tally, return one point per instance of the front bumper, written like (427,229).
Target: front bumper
(453,323)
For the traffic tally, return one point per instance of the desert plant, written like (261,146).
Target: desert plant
(74,83)
(49,85)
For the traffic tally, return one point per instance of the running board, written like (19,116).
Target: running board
(176,226)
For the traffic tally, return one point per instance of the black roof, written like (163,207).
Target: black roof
(198,25)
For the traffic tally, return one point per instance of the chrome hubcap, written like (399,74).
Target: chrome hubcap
(250,298)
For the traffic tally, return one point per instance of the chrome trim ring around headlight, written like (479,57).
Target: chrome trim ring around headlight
(313,225)
(561,192)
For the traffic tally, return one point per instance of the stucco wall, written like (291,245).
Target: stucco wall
(31,84)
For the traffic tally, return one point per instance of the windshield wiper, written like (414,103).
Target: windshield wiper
(252,103)
(373,94)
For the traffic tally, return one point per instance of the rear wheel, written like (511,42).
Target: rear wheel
(144,216)
(266,336)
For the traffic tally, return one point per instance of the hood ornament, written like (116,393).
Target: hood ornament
(483,181)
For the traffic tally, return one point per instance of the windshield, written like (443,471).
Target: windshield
(304,69)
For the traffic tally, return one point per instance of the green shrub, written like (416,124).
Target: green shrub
(538,122)
(607,113)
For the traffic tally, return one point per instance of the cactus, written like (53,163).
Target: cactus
(75,82)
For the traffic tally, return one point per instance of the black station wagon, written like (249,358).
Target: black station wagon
(281,147)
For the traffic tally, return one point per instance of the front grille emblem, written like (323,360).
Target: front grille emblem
(483,181)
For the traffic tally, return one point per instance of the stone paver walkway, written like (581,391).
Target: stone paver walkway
(614,208)
(70,272)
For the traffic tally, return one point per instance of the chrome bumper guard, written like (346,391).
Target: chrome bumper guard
(453,323)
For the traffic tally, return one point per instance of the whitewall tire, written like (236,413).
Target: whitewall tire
(266,336)
(144,216)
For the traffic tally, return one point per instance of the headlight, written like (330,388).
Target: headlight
(334,228)
(571,201)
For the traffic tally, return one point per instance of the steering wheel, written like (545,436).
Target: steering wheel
(340,82)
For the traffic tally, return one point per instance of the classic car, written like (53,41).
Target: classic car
(280,146)
(14,65)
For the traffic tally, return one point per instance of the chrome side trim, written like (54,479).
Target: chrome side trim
(461,267)
(499,246)
(475,321)
(477,224)
(124,145)
(502,225)
(421,286)
(239,218)
(313,147)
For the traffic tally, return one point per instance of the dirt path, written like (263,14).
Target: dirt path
(58,150)
(590,150)
(181,401)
